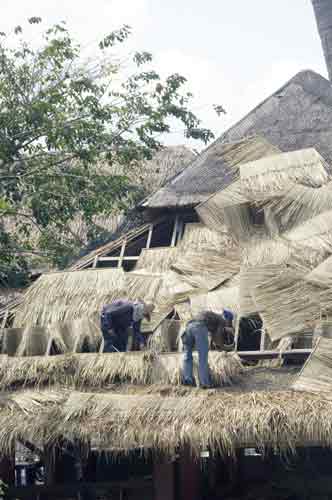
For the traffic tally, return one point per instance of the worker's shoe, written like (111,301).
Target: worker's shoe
(190,383)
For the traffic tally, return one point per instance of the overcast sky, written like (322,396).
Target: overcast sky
(234,52)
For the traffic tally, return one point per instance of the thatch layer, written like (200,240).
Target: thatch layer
(58,297)
(286,303)
(156,260)
(220,422)
(271,176)
(316,375)
(101,370)
(300,204)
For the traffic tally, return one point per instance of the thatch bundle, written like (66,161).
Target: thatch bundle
(271,176)
(217,301)
(101,370)
(197,237)
(315,233)
(62,296)
(220,422)
(300,204)
(156,260)
(286,303)
(316,375)
(71,336)
(208,269)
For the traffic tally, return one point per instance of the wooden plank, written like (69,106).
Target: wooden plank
(116,259)
(122,252)
(175,231)
(148,243)
(4,319)
(263,337)
(259,355)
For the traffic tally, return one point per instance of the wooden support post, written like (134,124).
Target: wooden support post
(175,231)
(189,478)
(263,336)
(148,243)
(7,469)
(4,319)
(164,481)
(95,262)
(123,248)
(237,332)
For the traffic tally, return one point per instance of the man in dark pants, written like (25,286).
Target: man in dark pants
(116,319)
(119,319)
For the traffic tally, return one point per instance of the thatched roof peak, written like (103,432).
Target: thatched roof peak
(296,116)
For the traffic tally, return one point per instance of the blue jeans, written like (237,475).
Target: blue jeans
(196,334)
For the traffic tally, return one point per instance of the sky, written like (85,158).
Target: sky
(233,52)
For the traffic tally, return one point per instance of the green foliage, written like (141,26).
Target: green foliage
(59,118)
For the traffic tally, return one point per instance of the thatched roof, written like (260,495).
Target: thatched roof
(296,116)
(261,412)
(212,170)
(100,371)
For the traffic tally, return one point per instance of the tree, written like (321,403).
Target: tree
(58,118)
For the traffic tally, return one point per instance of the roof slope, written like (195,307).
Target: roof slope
(296,116)
(209,172)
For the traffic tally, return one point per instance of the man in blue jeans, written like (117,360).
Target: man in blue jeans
(196,335)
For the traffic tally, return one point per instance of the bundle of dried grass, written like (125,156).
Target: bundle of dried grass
(316,374)
(156,260)
(300,204)
(286,303)
(216,301)
(58,297)
(166,337)
(198,237)
(68,337)
(208,269)
(315,233)
(271,176)
(99,371)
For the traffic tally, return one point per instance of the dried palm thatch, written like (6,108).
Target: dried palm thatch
(156,260)
(322,274)
(58,297)
(316,374)
(98,371)
(208,269)
(217,301)
(198,237)
(300,204)
(68,337)
(166,337)
(220,422)
(286,303)
(315,233)
(270,176)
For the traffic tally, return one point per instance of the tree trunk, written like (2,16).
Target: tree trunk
(323,12)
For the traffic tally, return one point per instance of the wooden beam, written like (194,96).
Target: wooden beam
(263,337)
(116,259)
(148,243)
(175,231)
(259,355)
(4,319)
(122,252)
